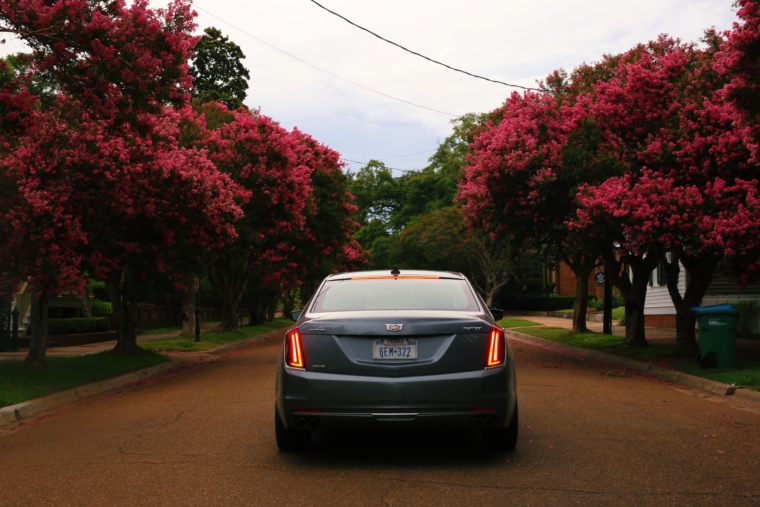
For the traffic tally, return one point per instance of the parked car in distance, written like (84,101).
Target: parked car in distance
(395,350)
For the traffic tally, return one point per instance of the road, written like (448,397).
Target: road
(591,434)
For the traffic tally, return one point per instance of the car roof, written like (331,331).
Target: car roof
(402,273)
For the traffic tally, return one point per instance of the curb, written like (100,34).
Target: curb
(32,407)
(663,373)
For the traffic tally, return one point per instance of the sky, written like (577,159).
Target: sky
(508,40)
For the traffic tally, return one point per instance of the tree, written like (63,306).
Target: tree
(520,182)
(117,60)
(262,159)
(117,68)
(685,171)
(218,74)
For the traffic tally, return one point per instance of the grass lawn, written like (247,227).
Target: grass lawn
(600,341)
(17,384)
(746,374)
(509,322)
(211,340)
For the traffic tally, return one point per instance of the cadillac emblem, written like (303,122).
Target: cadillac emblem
(394,327)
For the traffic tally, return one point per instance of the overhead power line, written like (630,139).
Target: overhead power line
(391,168)
(421,55)
(319,68)
(407,155)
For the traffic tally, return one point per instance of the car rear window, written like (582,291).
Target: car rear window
(395,294)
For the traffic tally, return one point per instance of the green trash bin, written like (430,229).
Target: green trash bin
(717,335)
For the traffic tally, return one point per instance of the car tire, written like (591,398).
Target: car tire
(503,439)
(290,440)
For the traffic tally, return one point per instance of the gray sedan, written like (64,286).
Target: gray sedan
(395,350)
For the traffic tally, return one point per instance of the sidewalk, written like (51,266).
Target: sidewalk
(90,348)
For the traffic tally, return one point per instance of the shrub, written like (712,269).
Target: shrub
(748,313)
(598,304)
(78,326)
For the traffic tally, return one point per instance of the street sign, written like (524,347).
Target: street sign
(599,278)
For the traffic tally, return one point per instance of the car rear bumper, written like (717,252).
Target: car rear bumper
(347,401)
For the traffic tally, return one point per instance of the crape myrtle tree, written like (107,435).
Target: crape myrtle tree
(686,193)
(323,245)
(262,158)
(141,203)
(520,184)
(739,62)
(326,244)
(108,146)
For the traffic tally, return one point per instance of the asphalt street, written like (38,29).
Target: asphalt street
(591,434)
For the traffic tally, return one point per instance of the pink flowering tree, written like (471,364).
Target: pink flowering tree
(262,159)
(661,119)
(520,182)
(738,61)
(116,59)
(138,203)
(110,145)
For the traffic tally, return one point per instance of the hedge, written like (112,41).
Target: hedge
(78,326)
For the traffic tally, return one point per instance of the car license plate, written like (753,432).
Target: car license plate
(396,348)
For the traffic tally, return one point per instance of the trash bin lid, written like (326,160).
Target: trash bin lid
(726,309)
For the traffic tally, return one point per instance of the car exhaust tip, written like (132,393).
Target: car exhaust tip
(490,422)
(476,422)
(313,423)
(301,423)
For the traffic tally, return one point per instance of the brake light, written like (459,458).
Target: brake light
(293,351)
(497,349)
(396,277)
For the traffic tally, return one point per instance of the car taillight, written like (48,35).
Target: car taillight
(293,350)
(497,349)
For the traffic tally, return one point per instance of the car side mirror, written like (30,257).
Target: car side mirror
(295,315)
(497,313)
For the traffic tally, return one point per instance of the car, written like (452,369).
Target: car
(391,350)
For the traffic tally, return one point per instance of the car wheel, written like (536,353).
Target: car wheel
(290,440)
(503,439)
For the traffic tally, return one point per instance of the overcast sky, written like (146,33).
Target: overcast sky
(509,40)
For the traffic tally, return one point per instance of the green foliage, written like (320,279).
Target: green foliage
(218,74)
(388,205)
(598,304)
(78,326)
(749,311)
(435,241)
(101,307)
(18,384)
(42,84)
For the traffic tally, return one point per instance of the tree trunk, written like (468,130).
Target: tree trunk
(580,308)
(123,291)
(635,334)
(229,284)
(35,359)
(633,289)
(699,274)
(272,307)
(288,302)
(188,297)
